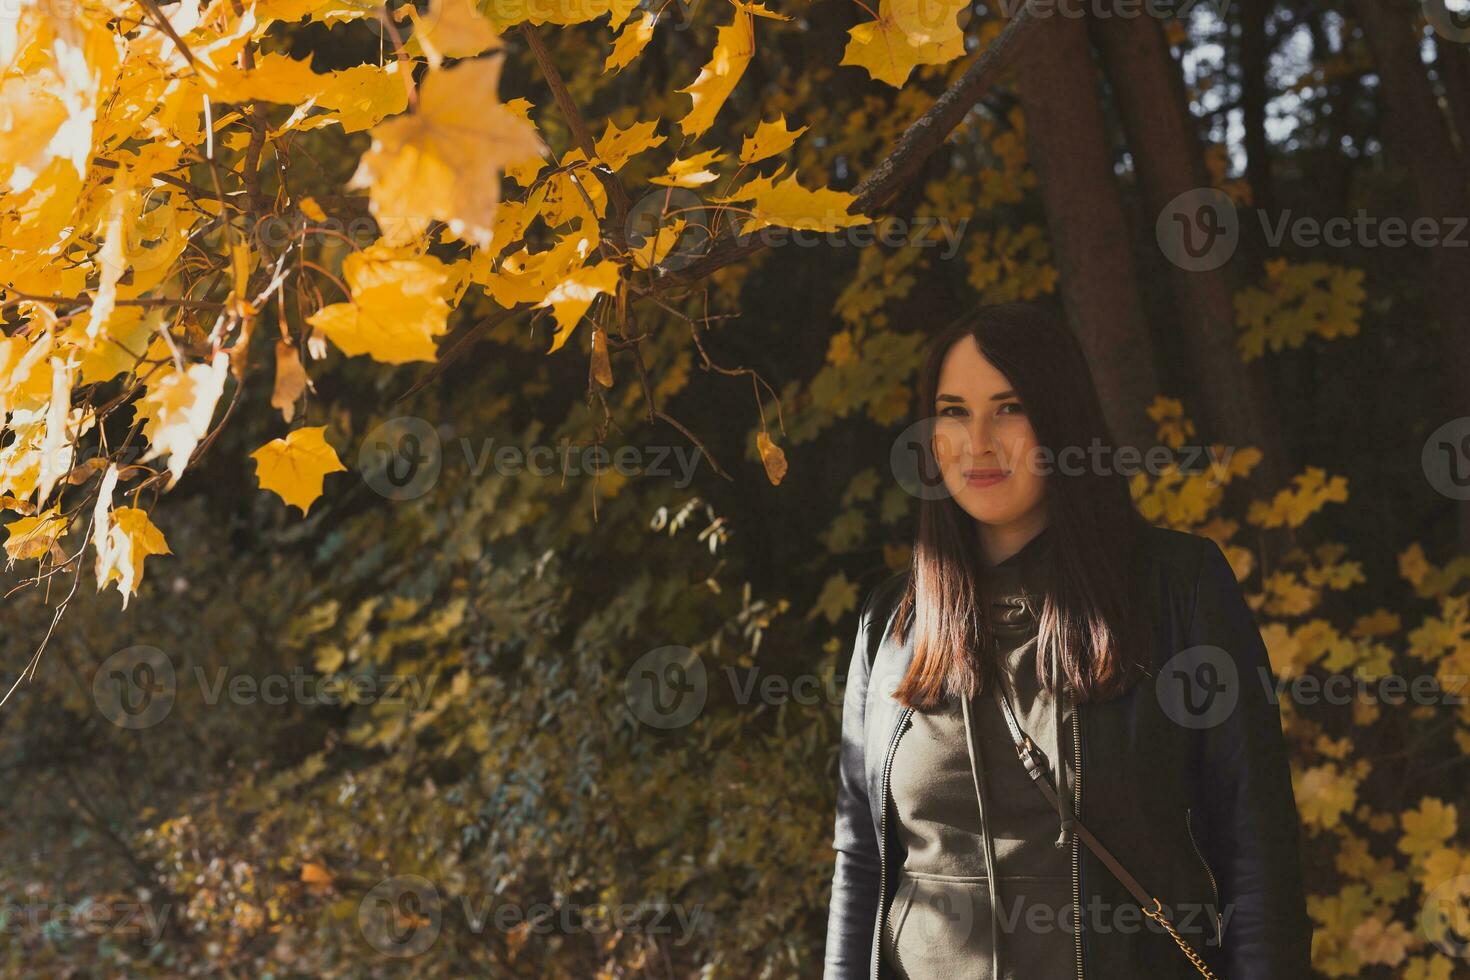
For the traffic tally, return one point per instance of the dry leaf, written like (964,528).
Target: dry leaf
(601,365)
(772,457)
(290,379)
(317,876)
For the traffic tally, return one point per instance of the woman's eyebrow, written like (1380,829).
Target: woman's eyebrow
(998,396)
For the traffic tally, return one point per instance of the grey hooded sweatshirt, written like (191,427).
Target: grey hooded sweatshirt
(985,891)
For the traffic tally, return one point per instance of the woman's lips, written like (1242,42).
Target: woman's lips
(983,478)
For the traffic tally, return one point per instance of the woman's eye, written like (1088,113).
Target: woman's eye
(951,411)
(1011,408)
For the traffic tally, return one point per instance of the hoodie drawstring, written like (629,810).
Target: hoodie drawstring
(986,837)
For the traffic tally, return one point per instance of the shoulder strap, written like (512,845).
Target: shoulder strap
(1027,750)
(1151,906)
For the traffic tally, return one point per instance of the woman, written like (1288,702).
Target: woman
(1042,619)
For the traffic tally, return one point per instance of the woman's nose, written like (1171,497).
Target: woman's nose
(978,435)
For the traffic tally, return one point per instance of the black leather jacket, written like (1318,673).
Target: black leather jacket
(1199,808)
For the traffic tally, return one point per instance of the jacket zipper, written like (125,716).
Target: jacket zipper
(903,720)
(1214,888)
(1076,843)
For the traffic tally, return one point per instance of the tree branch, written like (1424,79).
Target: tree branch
(925,135)
(616,192)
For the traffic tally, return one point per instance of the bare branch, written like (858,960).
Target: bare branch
(617,193)
(925,135)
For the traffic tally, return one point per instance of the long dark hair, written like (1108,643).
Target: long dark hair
(1090,617)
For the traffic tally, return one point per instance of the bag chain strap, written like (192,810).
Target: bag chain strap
(1156,913)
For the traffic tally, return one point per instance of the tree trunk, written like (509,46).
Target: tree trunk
(1149,92)
(1067,143)
(1452,60)
(1417,125)
(1254,59)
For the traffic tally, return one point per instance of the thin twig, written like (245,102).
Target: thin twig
(617,193)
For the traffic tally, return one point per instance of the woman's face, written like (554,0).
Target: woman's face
(984,443)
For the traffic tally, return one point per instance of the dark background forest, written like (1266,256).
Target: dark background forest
(436,683)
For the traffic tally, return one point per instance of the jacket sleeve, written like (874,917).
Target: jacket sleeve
(855,880)
(1248,802)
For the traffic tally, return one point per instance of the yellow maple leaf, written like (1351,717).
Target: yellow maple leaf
(1297,302)
(177,407)
(1291,507)
(570,297)
(293,468)
(127,334)
(1413,565)
(526,277)
(563,12)
(32,537)
(357,97)
(630,42)
(62,428)
(1375,940)
(616,147)
(838,596)
(734,47)
(523,172)
(398,306)
(573,197)
(786,204)
(841,349)
(451,29)
(362,96)
(415,169)
(55,61)
(886,52)
(691,172)
(926,21)
(129,538)
(1287,595)
(656,246)
(25,372)
(1446,864)
(1380,622)
(111,259)
(759,10)
(769,139)
(1427,827)
(1325,793)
